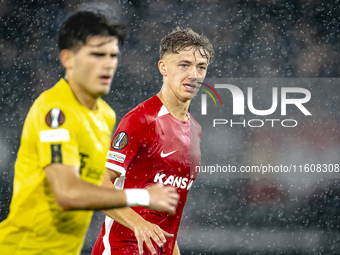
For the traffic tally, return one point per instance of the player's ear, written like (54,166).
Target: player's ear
(162,67)
(66,58)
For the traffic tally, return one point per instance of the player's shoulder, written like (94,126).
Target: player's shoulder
(146,111)
(108,113)
(59,98)
(106,109)
(194,123)
(59,95)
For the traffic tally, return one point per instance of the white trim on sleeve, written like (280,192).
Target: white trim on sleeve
(114,167)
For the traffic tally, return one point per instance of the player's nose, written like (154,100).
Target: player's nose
(193,72)
(110,63)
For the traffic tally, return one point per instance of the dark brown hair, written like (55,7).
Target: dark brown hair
(180,38)
(84,24)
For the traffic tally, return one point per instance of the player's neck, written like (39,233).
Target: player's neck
(82,96)
(177,108)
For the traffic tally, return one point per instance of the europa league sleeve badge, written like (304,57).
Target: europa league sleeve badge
(55,118)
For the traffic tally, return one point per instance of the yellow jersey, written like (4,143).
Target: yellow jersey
(57,129)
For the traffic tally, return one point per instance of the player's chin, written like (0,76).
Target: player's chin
(101,93)
(185,99)
(190,95)
(193,93)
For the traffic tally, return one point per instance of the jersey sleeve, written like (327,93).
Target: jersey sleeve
(55,135)
(129,137)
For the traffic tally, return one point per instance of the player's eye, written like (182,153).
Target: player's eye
(96,54)
(114,55)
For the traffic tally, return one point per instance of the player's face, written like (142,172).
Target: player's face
(182,72)
(94,65)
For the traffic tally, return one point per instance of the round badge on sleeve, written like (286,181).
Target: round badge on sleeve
(55,118)
(120,141)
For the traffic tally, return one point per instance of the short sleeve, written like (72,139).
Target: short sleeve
(130,136)
(56,136)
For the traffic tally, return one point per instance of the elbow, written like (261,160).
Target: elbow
(65,202)
(65,206)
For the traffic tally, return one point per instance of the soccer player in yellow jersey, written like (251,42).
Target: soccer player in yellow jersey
(66,135)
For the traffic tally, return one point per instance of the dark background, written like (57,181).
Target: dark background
(252,39)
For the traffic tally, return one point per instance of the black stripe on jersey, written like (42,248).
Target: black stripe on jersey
(56,156)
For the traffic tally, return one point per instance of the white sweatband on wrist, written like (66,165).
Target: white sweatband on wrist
(135,197)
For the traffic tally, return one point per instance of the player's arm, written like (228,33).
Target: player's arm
(144,230)
(176,250)
(72,193)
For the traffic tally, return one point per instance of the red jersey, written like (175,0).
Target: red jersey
(149,146)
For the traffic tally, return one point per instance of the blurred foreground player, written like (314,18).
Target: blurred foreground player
(157,141)
(61,160)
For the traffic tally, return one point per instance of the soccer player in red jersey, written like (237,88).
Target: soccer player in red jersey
(157,141)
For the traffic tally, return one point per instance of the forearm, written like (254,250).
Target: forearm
(125,216)
(87,196)
(72,193)
(176,250)
(144,231)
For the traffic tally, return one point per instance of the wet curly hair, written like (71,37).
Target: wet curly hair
(180,38)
